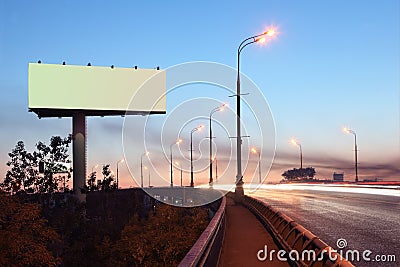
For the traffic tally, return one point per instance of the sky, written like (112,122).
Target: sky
(331,64)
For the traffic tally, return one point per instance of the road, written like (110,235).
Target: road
(368,218)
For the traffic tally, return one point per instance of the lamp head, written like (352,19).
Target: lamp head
(261,40)
(270,32)
(294,142)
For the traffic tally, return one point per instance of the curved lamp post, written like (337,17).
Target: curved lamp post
(141,167)
(297,143)
(191,152)
(260,38)
(255,151)
(170,149)
(348,131)
(220,108)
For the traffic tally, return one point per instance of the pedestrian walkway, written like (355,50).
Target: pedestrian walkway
(244,237)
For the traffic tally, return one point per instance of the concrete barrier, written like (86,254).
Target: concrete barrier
(206,250)
(292,236)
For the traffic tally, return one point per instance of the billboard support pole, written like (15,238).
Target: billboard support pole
(79,154)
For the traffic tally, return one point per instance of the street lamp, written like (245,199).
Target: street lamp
(177,163)
(239,177)
(254,151)
(348,131)
(170,149)
(94,167)
(297,143)
(145,167)
(216,169)
(141,167)
(191,152)
(120,161)
(220,108)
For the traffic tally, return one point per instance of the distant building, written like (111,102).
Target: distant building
(338,177)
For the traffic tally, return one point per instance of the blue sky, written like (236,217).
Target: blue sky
(333,64)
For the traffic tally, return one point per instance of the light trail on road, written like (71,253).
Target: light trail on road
(368,218)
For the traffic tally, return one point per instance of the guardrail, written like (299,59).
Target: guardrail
(207,248)
(292,236)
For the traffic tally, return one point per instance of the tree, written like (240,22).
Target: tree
(296,174)
(162,240)
(55,172)
(24,174)
(91,183)
(25,239)
(108,182)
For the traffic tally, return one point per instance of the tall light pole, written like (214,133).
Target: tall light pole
(177,163)
(347,130)
(220,108)
(239,177)
(120,161)
(94,167)
(216,169)
(297,143)
(141,167)
(255,151)
(170,149)
(191,152)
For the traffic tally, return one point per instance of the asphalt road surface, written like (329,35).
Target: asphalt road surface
(367,218)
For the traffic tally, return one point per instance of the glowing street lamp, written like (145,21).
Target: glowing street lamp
(254,151)
(253,39)
(220,108)
(297,143)
(348,131)
(170,149)
(120,161)
(141,167)
(191,152)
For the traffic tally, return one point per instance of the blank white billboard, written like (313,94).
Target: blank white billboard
(60,90)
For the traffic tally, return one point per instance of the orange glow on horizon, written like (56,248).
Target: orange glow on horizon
(253,150)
